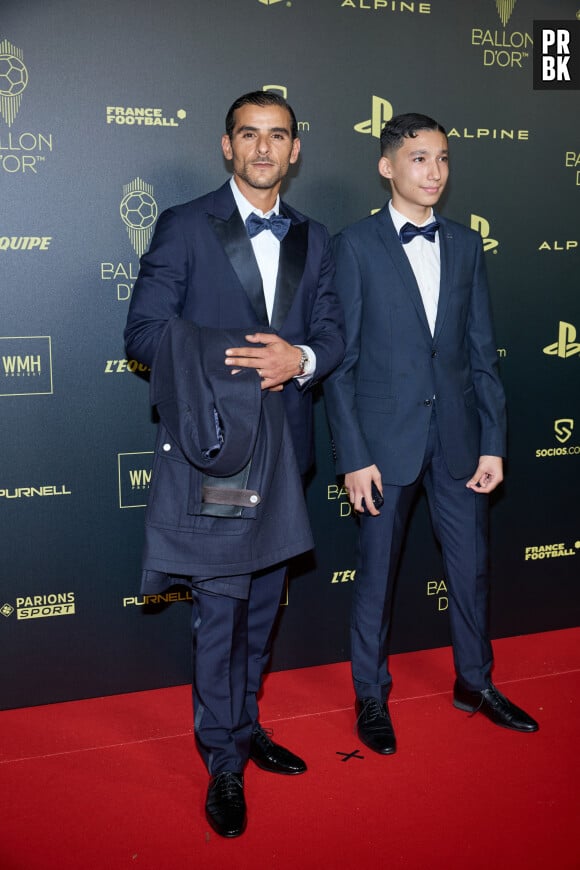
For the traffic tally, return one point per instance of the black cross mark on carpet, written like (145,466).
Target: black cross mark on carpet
(349,755)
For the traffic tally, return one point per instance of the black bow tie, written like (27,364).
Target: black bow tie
(277,224)
(408,232)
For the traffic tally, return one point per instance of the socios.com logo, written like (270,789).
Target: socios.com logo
(381,112)
(563,429)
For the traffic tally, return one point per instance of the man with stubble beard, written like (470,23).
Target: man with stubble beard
(240,257)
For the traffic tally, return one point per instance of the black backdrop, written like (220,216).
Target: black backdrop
(111,112)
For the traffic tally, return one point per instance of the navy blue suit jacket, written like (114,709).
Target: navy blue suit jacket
(201,267)
(379,399)
(215,426)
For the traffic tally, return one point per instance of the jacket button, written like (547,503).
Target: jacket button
(427,402)
(167,447)
(434,354)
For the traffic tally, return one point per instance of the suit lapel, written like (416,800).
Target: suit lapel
(233,235)
(447,250)
(392,243)
(293,250)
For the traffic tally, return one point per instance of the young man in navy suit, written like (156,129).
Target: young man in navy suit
(240,257)
(418,401)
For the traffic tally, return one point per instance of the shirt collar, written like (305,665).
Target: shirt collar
(400,220)
(246,208)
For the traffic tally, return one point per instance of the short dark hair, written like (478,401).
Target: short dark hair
(260,98)
(404,127)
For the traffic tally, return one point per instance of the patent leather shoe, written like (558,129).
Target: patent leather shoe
(374,726)
(495,706)
(271,756)
(225,806)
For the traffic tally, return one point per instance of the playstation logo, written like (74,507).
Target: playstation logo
(382,111)
(566,345)
(563,429)
(481,226)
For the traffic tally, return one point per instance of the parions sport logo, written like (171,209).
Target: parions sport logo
(41,606)
(20,152)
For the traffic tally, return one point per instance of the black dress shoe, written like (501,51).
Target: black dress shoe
(374,726)
(271,756)
(494,705)
(225,807)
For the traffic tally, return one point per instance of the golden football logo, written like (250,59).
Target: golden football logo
(138,211)
(505,9)
(13,80)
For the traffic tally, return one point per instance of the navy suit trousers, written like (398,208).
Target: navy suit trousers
(231,648)
(460,522)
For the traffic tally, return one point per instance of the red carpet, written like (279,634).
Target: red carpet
(116,782)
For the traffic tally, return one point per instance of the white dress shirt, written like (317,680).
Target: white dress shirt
(425,259)
(266,249)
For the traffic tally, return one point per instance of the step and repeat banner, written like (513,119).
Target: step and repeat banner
(112,112)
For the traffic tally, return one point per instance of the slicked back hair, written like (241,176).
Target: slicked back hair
(403,127)
(260,98)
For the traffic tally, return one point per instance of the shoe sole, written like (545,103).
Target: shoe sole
(277,769)
(467,709)
(378,751)
(229,835)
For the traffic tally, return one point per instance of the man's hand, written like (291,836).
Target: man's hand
(276,362)
(358,485)
(488,475)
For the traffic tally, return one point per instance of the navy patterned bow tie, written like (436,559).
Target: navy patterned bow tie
(408,232)
(277,224)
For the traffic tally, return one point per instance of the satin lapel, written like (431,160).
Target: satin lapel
(293,250)
(234,238)
(447,251)
(392,243)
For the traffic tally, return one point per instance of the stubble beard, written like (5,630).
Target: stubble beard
(258,183)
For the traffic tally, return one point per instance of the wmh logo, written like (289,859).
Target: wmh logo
(25,365)
(135,470)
